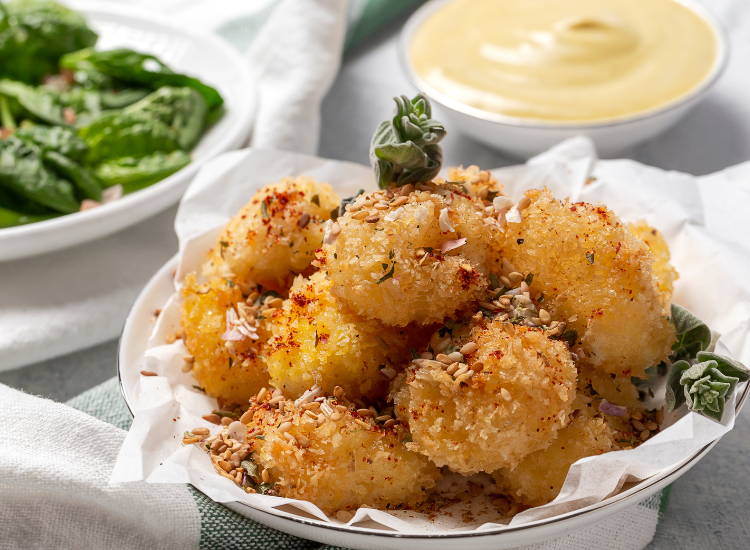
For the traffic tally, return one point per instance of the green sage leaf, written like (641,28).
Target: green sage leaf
(693,335)
(405,148)
(675,397)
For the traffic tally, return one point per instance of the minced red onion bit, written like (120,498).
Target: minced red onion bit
(447,246)
(611,409)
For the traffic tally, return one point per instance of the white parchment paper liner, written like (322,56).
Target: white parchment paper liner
(701,218)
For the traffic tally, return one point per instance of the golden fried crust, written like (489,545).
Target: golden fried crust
(274,237)
(317,342)
(387,264)
(597,275)
(663,270)
(203,320)
(514,405)
(342,464)
(538,478)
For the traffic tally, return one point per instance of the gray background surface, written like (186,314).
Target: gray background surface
(708,508)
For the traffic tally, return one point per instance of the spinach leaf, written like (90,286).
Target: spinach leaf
(54,138)
(34,34)
(23,172)
(132,134)
(134,68)
(136,173)
(11,218)
(38,104)
(83,180)
(182,109)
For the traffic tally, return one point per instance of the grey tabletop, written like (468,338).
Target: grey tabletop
(708,505)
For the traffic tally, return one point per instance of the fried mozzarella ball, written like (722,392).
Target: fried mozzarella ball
(597,276)
(403,257)
(338,459)
(663,270)
(230,370)
(316,341)
(507,397)
(275,235)
(538,478)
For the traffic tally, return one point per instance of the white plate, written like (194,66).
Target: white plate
(204,56)
(132,348)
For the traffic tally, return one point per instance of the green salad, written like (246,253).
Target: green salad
(78,126)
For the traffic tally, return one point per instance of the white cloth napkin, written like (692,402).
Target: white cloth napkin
(55,463)
(76,298)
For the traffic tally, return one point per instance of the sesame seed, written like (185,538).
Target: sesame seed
(544,316)
(336,417)
(477,367)
(442,358)
(381,342)
(372,219)
(456,356)
(524,203)
(471,347)
(361,215)
(285,427)
(406,189)
(389,423)
(304,219)
(461,370)
(506,282)
(505,394)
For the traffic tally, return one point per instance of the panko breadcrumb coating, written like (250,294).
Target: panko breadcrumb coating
(510,399)
(338,459)
(229,378)
(663,270)
(598,277)
(318,342)
(538,478)
(385,259)
(274,237)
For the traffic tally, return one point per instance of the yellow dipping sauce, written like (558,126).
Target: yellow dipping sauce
(563,60)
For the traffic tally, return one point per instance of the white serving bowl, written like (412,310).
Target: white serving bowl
(524,138)
(132,348)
